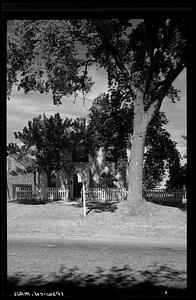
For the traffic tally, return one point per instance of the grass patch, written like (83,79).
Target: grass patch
(60,219)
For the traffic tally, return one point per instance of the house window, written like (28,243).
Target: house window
(80,155)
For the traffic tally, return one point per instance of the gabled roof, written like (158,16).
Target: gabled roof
(24,161)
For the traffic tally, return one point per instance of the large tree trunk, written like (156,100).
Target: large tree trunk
(135,168)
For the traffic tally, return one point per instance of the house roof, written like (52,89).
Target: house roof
(25,161)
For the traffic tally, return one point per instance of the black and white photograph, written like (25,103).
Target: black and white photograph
(96,155)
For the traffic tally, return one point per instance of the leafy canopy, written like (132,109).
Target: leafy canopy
(54,55)
(43,56)
(111,127)
(48,139)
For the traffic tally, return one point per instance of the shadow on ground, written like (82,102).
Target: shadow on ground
(30,201)
(124,281)
(97,206)
(181,206)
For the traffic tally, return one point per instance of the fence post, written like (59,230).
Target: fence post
(104,195)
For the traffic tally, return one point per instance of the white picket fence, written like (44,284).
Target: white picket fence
(101,194)
(54,193)
(166,196)
(24,193)
(92,194)
(105,194)
(161,196)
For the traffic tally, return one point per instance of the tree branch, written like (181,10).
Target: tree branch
(148,60)
(116,55)
(85,72)
(171,76)
(20,162)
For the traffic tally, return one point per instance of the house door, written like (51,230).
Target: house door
(77,187)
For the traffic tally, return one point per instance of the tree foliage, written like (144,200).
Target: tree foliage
(177,172)
(55,55)
(23,155)
(47,139)
(43,56)
(111,125)
(142,61)
(141,56)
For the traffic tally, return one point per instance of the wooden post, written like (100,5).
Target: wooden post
(84,198)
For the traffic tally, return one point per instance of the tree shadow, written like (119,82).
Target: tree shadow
(117,282)
(32,201)
(29,201)
(181,206)
(97,207)
(102,209)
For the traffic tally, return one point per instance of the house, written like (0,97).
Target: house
(98,169)
(17,175)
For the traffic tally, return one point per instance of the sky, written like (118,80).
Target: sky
(22,108)
(176,114)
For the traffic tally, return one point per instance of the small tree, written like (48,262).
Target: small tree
(177,173)
(111,125)
(143,61)
(49,137)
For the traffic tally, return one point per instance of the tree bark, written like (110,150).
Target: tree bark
(135,168)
